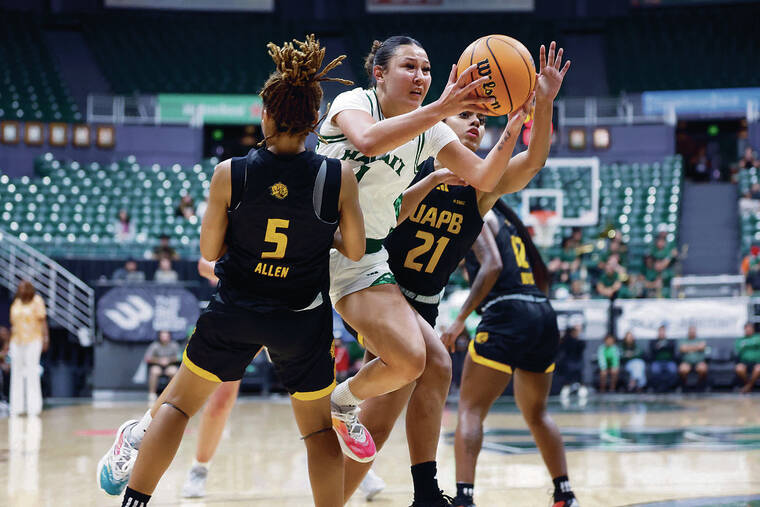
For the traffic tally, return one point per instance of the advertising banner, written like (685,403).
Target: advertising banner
(379,6)
(136,313)
(214,109)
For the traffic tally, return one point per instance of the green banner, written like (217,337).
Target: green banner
(216,109)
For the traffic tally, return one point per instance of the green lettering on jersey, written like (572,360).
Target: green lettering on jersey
(361,172)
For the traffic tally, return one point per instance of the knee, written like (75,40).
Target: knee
(740,369)
(220,402)
(535,416)
(154,371)
(411,364)
(756,370)
(438,365)
(702,368)
(684,368)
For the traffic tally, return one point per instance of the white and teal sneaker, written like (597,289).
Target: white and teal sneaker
(115,467)
(195,484)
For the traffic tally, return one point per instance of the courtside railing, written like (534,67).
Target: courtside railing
(70,302)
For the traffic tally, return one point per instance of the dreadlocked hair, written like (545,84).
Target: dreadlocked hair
(292,93)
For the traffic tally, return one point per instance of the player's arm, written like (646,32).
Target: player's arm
(214,224)
(350,239)
(484,173)
(488,256)
(374,138)
(413,196)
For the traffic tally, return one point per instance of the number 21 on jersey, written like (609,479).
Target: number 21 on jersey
(428,241)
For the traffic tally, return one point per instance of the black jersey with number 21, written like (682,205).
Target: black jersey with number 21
(427,247)
(282,217)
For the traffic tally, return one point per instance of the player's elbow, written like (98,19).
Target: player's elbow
(355,253)
(367,146)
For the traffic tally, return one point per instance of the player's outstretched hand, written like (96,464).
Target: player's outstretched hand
(551,72)
(459,94)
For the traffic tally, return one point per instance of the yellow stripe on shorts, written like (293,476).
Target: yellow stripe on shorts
(490,363)
(314,395)
(207,375)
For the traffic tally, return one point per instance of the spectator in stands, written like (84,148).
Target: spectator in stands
(652,279)
(124,229)
(163,358)
(749,159)
(5,367)
(165,273)
(608,359)
(748,357)
(186,207)
(633,288)
(164,249)
(753,273)
(693,354)
(662,352)
(609,283)
(664,254)
(129,273)
(567,260)
(614,247)
(570,358)
(578,288)
(632,359)
(29,338)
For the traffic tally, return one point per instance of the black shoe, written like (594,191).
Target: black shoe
(441,501)
(460,501)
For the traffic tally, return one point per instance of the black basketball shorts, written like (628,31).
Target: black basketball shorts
(515,334)
(300,344)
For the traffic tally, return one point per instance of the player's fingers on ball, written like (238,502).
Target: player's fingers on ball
(453,74)
(465,75)
(475,84)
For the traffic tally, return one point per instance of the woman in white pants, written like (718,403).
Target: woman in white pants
(29,338)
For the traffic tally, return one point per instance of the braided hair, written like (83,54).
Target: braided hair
(292,93)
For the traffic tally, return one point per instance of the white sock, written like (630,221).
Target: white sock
(197,463)
(343,396)
(138,430)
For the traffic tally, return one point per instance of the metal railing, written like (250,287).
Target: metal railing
(119,109)
(591,111)
(70,302)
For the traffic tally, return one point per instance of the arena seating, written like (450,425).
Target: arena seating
(31,88)
(182,52)
(682,48)
(749,221)
(69,209)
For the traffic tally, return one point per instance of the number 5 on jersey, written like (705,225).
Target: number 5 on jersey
(278,238)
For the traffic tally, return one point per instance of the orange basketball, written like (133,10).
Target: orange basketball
(510,67)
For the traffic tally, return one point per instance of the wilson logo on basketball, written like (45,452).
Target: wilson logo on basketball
(279,190)
(484,69)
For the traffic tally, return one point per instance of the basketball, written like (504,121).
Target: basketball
(511,69)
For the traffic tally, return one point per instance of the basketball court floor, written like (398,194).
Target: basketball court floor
(662,450)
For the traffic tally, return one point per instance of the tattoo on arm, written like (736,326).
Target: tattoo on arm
(504,140)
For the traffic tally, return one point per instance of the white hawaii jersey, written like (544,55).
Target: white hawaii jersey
(383,178)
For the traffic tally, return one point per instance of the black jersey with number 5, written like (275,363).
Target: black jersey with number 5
(282,217)
(427,247)
(516,275)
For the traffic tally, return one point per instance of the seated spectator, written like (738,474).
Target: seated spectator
(609,283)
(567,260)
(164,249)
(662,352)
(186,207)
(578,289)
(753,193)
(693,357)
(614,246)
(163,358)
(632,359)
(664,254)
(124,229)
(570,358)
(633,288)
(608,358)
(753,276)
(748,357)
(129,273)
(652,279)
(165,273)
(748,160)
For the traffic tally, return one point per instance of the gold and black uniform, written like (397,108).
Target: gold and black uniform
(518,328)
(274,277)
